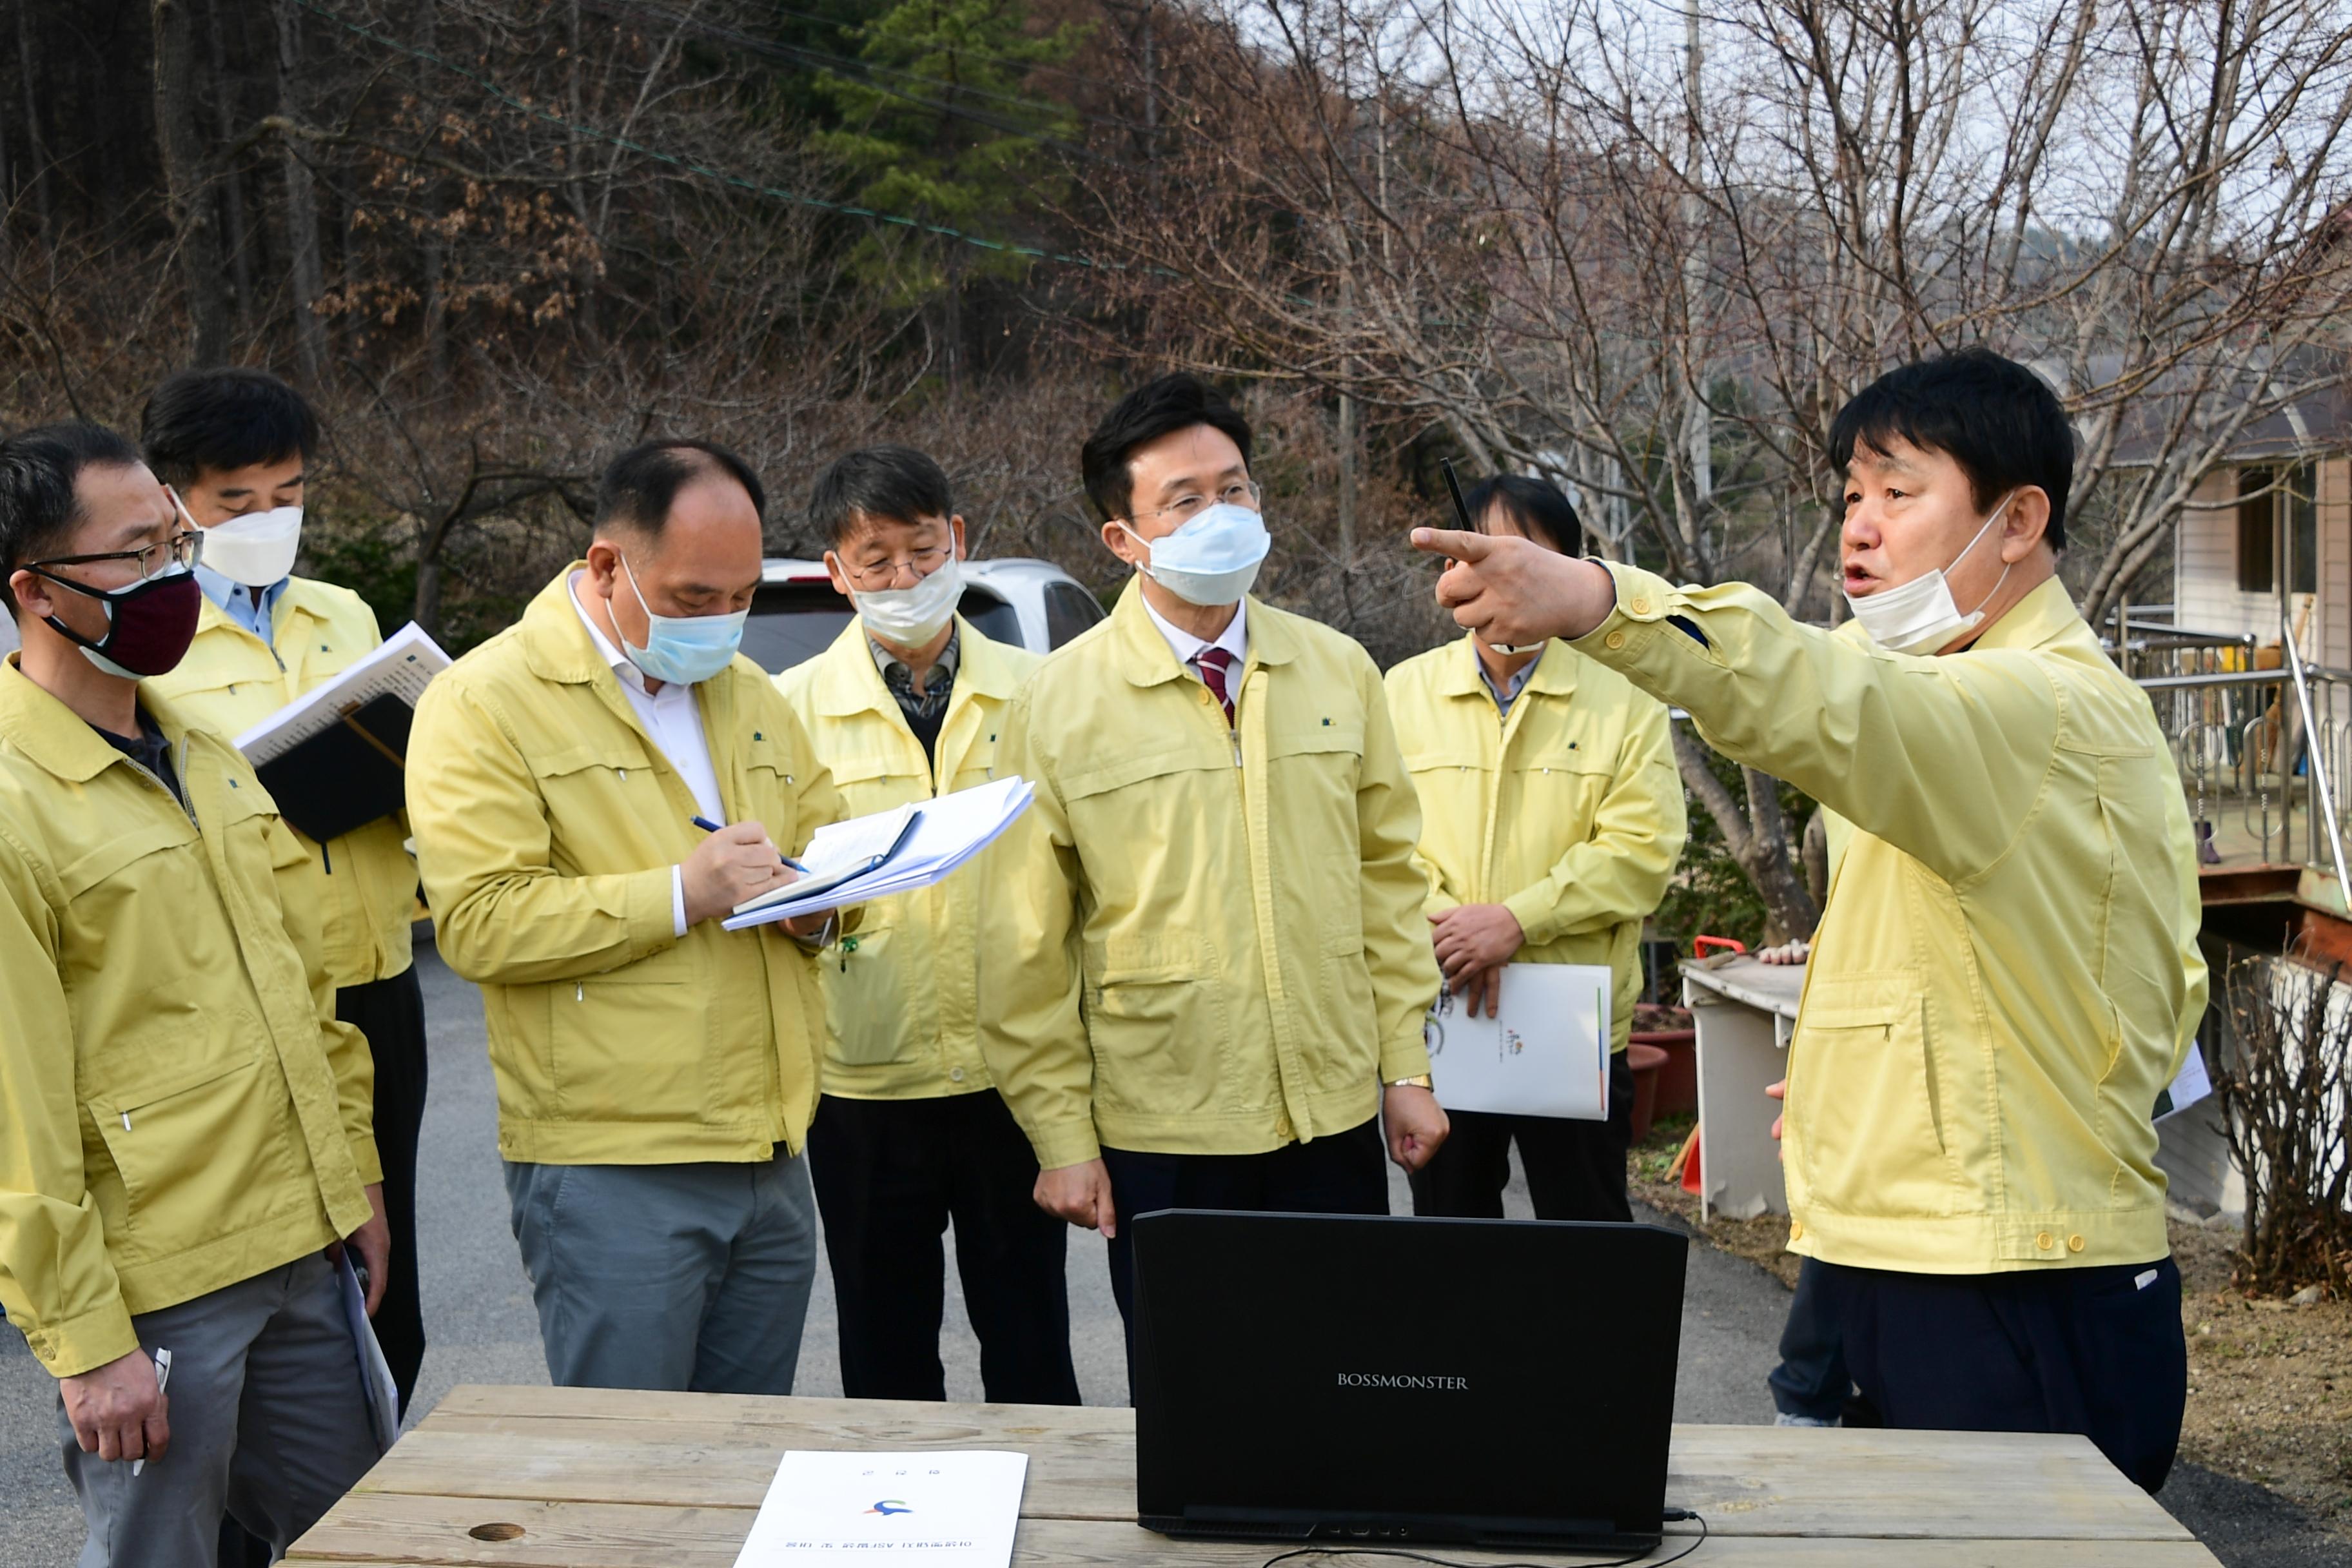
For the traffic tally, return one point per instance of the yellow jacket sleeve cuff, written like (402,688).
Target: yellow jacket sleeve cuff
(1534,909)
(1404,1058)
(1064,1143)
(75,1345)
(651,915)
(370,1163)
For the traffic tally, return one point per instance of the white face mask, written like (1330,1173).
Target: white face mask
(909,617)
(1920,616)
(1212,559)
(256,548)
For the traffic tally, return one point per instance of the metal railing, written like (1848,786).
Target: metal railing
(2261,751)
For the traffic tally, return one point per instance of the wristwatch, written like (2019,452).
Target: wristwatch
(1418,1080)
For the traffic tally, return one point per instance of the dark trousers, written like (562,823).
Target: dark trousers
(1339,1173)
(890,1175)
(1811,1379)
(2092,1351)
(390,1014)
(1576,1169)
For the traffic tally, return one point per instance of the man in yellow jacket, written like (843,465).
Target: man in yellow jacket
(1551,819)
(184,1124)
(656,1072)
(2006,974)
(911,1134)
(235,446)
(1215,977)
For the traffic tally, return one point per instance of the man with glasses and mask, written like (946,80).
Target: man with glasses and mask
(184,1133)
(911,1134)
(1213,983)
(2006,974)
(656,1072)
(236,446)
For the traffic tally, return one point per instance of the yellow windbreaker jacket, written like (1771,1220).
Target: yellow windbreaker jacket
(179,1109)
(1218,945)
(1568,811)
(547,824)
(2007,971)
(231,680)
(902,995)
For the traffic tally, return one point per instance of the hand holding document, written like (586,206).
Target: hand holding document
(948,1509)
(891,852)
(1545,1054)
(335,758)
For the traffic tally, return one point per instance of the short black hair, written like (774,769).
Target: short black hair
(895,483)
(1998,420)
(38,508)
(1156,408)
(641,484)
(1538,507)
(224,419)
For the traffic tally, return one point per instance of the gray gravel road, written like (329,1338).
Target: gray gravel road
(478,1317)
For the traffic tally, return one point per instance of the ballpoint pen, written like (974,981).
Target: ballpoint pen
(708,825)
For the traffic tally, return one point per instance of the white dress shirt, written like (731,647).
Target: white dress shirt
(674,722)
(1233,639)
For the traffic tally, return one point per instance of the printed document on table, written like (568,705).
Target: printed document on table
(400,668)
(953,1509)
(945,833)
(1546,1053)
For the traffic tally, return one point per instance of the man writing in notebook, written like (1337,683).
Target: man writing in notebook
(656,1072)
(1213,981)
(2006,974)
(184,1121)
(238,445)
(907,705)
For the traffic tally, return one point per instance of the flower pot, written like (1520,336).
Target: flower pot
(1646,1061)
(1678,1079)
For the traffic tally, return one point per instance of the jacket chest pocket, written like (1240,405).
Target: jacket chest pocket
(606,792)
(1866,1100)
(870,781)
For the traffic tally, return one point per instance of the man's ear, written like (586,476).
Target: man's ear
(1119,542)
(33,600)
(603,566)
(955,527)
(833,570)
(2025,525)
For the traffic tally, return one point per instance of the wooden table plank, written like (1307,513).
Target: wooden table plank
(385,1528)
(707,1450)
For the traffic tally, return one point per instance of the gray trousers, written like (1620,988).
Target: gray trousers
(692,1277)
(269,1418)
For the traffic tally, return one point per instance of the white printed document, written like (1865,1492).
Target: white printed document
(924,844)
(1546,1053)
(400,669)
(954,1508)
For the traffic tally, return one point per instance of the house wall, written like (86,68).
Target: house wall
(2205,592)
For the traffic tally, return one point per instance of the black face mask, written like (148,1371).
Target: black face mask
(148,624)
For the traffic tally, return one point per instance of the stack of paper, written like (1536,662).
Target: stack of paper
(400,669)
(946,1509)
(910,848)
(1545,1054)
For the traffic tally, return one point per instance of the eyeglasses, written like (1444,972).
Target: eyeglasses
(875,576)
(1185,507)
(185,548)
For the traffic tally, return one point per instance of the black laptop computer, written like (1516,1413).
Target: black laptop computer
(1330,1378)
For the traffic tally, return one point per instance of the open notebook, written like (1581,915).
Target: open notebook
(892,851)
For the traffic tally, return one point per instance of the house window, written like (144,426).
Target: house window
(2300,496)
(2257,573)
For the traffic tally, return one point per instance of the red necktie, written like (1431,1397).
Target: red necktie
(1213,663)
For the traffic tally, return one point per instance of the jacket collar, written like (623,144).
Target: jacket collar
(2039,619)
(556,644)
(1555,671)
(848,681)
(1144,658)
(56,738)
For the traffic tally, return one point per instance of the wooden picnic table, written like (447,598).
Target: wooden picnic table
(580,1478)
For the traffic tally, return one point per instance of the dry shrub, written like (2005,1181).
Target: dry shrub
(2284,1100)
